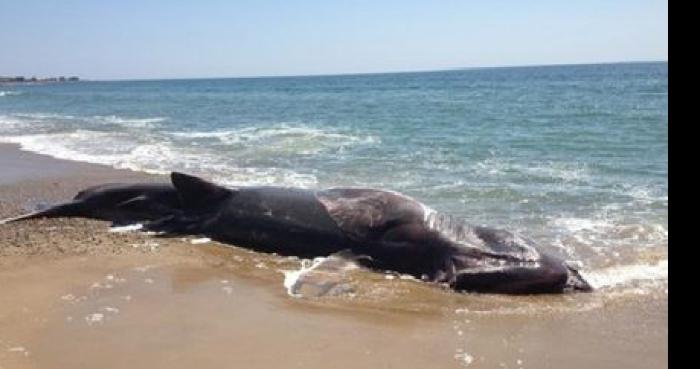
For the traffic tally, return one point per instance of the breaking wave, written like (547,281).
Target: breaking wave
(627,275)
(244,156)
(283,138)
(10,93)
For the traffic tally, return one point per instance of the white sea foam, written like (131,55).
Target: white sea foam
(136,153)
(564,172)
(160,153)
(623,275)
(492,165)
(10,93)
(609,229)
(646,194)
(291,277)
(43,116)
(35,123)
(16,124)
(130,122)
(279,131)
(573,224)
(84,139)
(283,138)
(319,277)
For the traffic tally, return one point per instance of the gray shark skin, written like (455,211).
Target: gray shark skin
(118,203)
(391,232)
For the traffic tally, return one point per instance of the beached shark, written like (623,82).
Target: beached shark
(386,231)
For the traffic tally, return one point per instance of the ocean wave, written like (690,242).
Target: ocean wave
(566,172)
(132,122)
(7,122)
(574,225)
(559,171)
(284,137)
(80,145)
(148,154)
(493,166)
(606,234)
(43,116)
(10,93)
(646,194)
(627,275)
(66,121)
(25,123)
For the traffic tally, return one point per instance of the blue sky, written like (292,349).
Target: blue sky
(176,39)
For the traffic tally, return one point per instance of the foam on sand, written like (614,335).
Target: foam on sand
(322,276)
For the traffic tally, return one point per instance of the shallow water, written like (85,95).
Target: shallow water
(238,313)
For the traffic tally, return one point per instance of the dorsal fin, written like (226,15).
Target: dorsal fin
(195,192)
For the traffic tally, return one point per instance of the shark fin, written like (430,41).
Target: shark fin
(196,193)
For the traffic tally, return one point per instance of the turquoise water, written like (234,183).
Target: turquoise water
(575,157)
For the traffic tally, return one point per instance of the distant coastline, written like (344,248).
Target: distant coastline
(29,80)
(370,73)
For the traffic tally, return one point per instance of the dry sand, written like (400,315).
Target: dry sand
(74,295)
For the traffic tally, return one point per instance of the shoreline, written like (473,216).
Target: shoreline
(19,164)
(73,294)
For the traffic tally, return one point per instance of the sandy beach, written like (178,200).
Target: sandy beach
(75,295)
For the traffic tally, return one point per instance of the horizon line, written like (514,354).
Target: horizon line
(341,74)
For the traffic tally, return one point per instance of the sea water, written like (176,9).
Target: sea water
(574,157)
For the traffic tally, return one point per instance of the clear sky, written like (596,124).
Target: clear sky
(127,39)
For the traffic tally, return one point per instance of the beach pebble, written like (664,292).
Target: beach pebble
(100,285)
(126,228)
(144,268)
(94,318)
(19,349)
(463,358)
(198,241)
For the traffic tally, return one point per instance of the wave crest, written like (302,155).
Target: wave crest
(282,138)
(626,275)
(10,93)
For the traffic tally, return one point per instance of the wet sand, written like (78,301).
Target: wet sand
(74,295)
